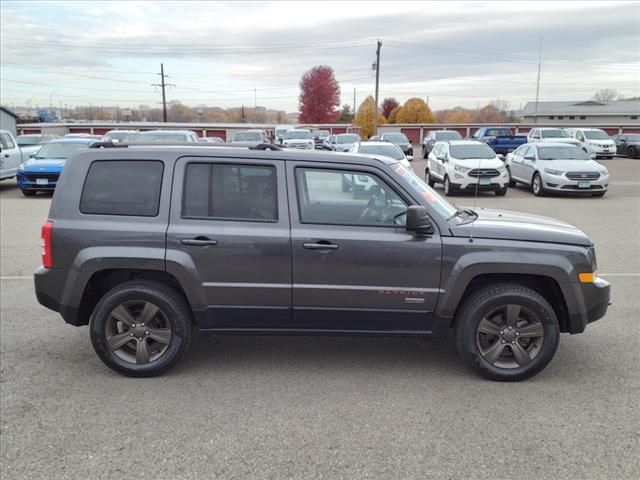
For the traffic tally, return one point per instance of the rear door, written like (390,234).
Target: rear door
(228,239)
(10,157)
(355,267)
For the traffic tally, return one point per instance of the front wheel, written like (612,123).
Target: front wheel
(141,328)
(507,332)
(448,189)
(512,182)
(631,152)
(536,185)
(501,192)
(429,179)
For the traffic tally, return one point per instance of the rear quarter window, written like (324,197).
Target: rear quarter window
(122,187)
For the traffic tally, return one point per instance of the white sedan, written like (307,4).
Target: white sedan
(386,149)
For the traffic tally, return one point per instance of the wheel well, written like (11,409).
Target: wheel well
(104,280)
(545,286)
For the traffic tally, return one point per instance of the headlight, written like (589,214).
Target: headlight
(462,169)
(21,167)
(551,171)
(604,172)
(502,169)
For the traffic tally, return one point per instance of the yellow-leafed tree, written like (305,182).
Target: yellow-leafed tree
(415,110)
(394,114)
(364,117)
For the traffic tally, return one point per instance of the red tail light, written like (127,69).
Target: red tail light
(47,231)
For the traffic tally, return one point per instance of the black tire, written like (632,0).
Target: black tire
(501,192)
(429,179)
(448,189)
(28,193)
(536,185)
(539,351)
(598,194)
(631,152)
(512,183)
(424,152)
(175,313)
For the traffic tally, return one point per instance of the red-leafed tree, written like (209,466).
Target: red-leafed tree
(319,96)
(389,104)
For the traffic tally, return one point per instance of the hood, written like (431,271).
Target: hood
(573,165)
(34,165)
(30,149)
(344,147)
(245,144)
(507,225)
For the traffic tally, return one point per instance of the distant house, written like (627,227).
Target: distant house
(8,119)
(590,112)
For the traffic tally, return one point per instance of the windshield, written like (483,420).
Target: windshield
(162,137)
(632,138)
(555,133)
(396,137)
(448,136)
(27,140)
(247,137)
(347,138)
(321,133)
(425,192)
(297,135)
(59,150)
(596,135)
(562,153)
(388,150)
(464,152)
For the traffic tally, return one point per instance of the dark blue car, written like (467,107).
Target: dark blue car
(40,173)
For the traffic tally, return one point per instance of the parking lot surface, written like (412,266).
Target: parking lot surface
(323,407)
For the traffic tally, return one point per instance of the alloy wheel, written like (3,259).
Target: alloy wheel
(510,336)
(138,332)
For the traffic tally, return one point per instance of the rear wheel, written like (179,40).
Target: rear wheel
(536,185)
(28,193)
(141,328)
(507,332)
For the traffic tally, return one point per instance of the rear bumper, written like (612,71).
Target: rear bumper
(51,292)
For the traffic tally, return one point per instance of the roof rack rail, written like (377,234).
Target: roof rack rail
(106,145)
(265,146)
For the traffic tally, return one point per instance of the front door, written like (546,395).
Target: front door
(228,242)
(355,267)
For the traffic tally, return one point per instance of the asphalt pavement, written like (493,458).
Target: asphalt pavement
(324,407)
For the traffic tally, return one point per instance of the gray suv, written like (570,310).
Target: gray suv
(147,244)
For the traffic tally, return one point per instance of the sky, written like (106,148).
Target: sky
(228,54)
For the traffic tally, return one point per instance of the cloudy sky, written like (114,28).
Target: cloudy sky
(228,54)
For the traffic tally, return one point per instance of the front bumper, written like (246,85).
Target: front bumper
(463,182)
(27,180)
(602,151)
(596,298)
(562,184)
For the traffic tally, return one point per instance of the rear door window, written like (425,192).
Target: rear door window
(7,142)
(230,192)
(122,187)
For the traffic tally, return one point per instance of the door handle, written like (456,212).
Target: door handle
(198,241)
(321,245)
(6,155)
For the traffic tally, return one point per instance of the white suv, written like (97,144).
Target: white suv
(594,141)
(549,134)
(466,166)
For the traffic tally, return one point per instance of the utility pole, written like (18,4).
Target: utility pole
(354,102)
(535,116)
(255,100)
(375,111)
(163,85)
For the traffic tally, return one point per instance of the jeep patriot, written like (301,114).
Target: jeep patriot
(150,244)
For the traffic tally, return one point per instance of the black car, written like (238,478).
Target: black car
(437,136)
(148,245)
(627,144)
(319,136)
(401,140)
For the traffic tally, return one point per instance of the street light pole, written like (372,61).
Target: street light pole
(375,111)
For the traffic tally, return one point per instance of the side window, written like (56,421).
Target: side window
(7,142)
(122,187)
(342,197)
(230,192)
(436,150)
(520,150)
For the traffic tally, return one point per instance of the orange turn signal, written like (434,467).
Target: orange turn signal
(587,277)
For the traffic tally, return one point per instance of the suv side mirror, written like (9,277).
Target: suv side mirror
(418,220)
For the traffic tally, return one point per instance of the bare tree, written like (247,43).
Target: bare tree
(607,95)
